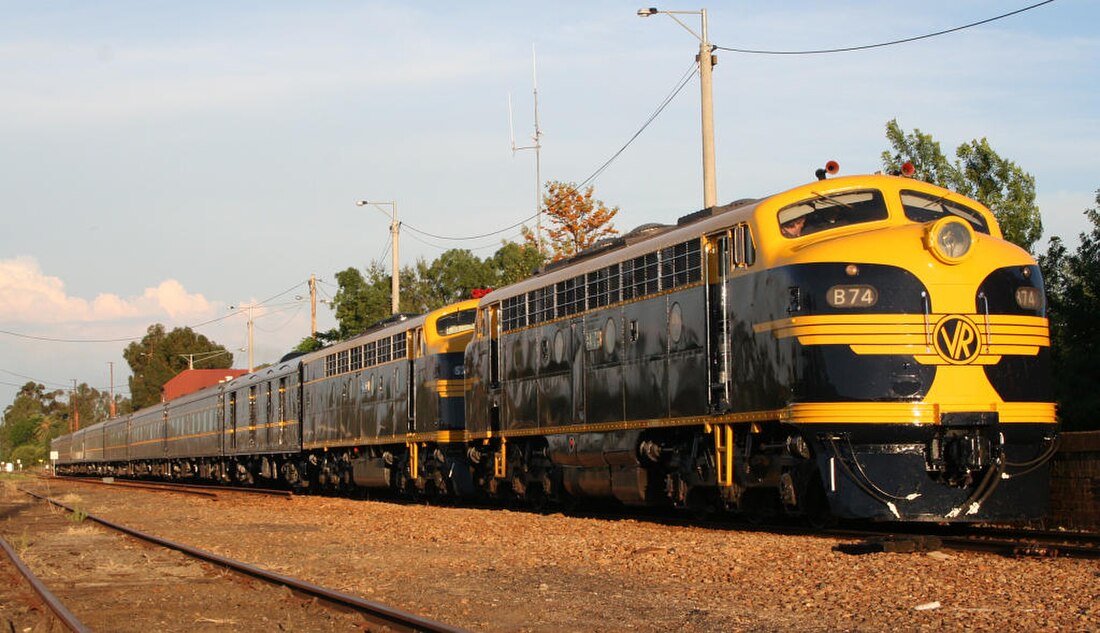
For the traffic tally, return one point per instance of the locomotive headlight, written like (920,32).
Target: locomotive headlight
(949,239)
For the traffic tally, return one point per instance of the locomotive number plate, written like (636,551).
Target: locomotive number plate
(852,296)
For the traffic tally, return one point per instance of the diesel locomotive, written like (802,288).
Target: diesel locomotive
(864,347)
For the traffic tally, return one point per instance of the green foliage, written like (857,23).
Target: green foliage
(78,515)
(450,278)
(29,454)
(160,355)
(979,173)
(36,416)
(1073,301)
(922,151)
(363,300)
(514,262)
(310,344)
(33,418)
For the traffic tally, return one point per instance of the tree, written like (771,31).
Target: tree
(1005,188)
(361,301)
(159,356)
(979,173)
(1073,301)
(450,278)
(514,262)
(34,417)
(577,220)
(922,152)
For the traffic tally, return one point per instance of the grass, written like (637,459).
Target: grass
(77,515)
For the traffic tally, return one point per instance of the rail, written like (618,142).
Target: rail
(376,612)
(52,601)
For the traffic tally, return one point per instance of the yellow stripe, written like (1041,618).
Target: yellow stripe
(910,334)
(913,413)
(454,388)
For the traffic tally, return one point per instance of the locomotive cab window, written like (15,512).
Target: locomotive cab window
(830,211)
(922,207)
(456,322)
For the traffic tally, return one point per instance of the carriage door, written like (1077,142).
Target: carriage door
(718,334)
(221,419)
(494,345)
(252,392)
(231,426)
(413,347)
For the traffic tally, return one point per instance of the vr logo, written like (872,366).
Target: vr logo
(957,340)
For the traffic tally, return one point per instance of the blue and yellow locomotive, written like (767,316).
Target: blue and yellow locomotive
(858,347)
(864,347)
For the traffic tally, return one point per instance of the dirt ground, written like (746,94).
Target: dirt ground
(505,570)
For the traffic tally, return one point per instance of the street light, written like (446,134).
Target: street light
(202,356)
(395,228)
(706,65)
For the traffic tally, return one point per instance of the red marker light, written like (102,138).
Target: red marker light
(478,293)
(908,170)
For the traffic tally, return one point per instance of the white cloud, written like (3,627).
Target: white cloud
(28,295)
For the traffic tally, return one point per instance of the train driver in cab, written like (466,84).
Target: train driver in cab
(793,227)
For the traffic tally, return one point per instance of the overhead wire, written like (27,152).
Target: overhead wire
(848,49)
(679,86)
(692,69)
(668,99)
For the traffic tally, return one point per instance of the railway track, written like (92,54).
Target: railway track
(872,537)
(900,538)
(182,488)
(97,573)
(55,605)
(997,540)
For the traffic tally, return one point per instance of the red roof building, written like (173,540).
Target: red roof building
(191,380)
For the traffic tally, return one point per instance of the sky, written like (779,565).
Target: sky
(169,162)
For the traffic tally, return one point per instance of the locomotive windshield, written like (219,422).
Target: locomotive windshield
(829,211)
(922,207)
(456,322)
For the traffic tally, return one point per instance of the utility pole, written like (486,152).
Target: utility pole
(395,272)
(706,66)
(111,364)
(74,424)
(313,306)
(242,308)
(250,307)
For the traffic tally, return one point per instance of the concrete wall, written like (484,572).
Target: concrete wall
(1075,483)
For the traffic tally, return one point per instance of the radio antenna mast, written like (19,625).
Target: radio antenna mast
(537,147)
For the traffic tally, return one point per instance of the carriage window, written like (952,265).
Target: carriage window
(921,207)
(830,211)
(680,265)
(515,316)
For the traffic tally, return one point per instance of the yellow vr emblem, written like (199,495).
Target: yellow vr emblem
(957,339)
